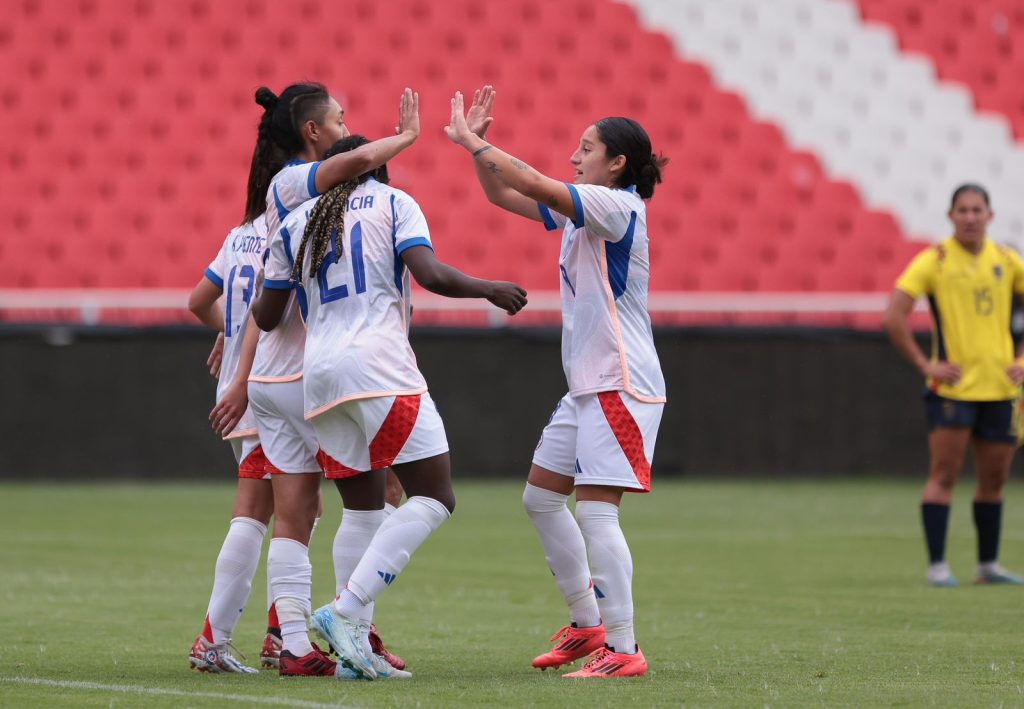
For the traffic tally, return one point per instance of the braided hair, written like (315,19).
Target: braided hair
(326,220)
(278,137)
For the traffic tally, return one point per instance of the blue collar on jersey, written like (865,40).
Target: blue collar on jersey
(631,188)
(294,161)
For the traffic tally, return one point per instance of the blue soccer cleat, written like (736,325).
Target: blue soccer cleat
(345,637)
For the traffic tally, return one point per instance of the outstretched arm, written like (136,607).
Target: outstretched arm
(478,120)
(440,278)
(509,170)
(346,166)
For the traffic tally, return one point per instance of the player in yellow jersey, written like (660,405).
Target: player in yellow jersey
(972,377)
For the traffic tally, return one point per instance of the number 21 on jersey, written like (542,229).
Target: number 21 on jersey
(329,294)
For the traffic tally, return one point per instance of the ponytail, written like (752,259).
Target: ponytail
(624,136)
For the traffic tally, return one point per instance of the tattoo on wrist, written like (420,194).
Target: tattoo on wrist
(519,164)
(480,151)
(493,166)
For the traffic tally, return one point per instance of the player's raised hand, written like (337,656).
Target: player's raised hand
(216,355)
(457,130)
(507,296)
(228,411)
(478,117)
(409,114)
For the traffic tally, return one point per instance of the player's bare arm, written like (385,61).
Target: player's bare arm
(202,301)
(229,410)
(440,278)
(897,327)
(346,166)
(269,307)
(523,186)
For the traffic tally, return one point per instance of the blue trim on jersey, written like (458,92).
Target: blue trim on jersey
(631,188)
(214,278)
(545,215)
(565,277)
(399,263)
(415,241)
(294,161)
(300,295)
(273,284)
(282,213)
(286,239)
(618,259)
(578,204)
(311,181)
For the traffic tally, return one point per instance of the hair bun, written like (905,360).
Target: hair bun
(266,98)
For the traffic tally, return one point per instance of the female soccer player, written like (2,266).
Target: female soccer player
(972,377)
(600,438)
(298,123)
(234,274)
(367,400)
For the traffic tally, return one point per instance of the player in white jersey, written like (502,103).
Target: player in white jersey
(364,393)
(600,438)
(298,124)
(234,274)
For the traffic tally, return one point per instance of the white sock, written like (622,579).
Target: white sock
(565,552)
(233,574)
(389,552)
(354,535)
(612,565)
(291,577)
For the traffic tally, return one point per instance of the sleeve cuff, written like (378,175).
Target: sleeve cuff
(578,204)
(415,241)
(311,181)
(277,284)
(214,278)
(545,215)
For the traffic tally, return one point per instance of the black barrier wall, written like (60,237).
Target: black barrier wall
(774,403)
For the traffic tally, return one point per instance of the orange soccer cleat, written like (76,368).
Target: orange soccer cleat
(571,643)
(606,663)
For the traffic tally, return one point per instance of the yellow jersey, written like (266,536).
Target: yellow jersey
(971,301)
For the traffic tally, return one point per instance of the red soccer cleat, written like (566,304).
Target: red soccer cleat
(572,643)
(606,663)
(271,652)
(377,645)
(313,664)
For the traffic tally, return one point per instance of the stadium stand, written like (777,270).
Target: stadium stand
(129,127)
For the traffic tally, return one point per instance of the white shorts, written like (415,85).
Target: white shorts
(369,434)
(288,439)
(251,462)
(601,439)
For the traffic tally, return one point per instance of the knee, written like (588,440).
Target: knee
(537,500)
(944,475)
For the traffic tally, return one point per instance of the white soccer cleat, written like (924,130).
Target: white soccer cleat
(344,635)
(207,657)
(385,670)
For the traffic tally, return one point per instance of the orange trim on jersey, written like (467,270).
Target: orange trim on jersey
(275,380)
(628,434)
(363,395)
(613,309)
(241,433)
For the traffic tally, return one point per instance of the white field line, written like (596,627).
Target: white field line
(160,691)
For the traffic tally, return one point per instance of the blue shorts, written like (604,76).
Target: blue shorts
(989,420)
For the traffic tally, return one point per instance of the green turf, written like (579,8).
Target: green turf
(783,594)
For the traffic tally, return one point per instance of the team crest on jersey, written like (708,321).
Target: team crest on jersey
(998,271)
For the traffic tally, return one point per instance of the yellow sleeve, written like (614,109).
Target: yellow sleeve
(919,277)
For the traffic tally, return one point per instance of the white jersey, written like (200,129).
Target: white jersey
(291,186)
(357,345)
(607,343)
(280,351)
(235,271)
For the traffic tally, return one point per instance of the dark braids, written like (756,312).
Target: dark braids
(327,218)
(278,137)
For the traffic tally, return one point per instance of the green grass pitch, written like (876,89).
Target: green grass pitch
(747,594)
